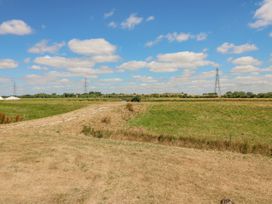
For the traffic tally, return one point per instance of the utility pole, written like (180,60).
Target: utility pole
(217,87)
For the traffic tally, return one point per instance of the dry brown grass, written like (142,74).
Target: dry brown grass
(4,119)
(129,106)
(49,161)
(106,120)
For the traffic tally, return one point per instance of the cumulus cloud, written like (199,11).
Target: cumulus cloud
(8,64)
(97,46)
(145,79)
(15,27)
(75,66)
(112,80)
(132,21)
(247,60)
(246,64)
(230,48)
(171,62)
(180,60)
(37,67)
(178,37)
(263,15)
(43,47)
(132,65)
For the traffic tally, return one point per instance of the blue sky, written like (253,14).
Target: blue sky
(135,46)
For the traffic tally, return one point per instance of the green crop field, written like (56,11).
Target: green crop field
(39,108)
(238,121)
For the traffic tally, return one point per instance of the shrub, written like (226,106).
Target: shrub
(136,99)
(129,107)
(106,120)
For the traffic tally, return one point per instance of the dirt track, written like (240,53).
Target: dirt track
(49,161)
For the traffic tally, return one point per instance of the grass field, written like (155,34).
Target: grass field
(39,108)
(249,122)
(50,161)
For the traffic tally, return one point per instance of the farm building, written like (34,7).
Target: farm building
(1,98)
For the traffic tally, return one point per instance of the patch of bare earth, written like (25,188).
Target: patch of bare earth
(50,161)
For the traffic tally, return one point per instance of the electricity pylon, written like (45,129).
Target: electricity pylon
(217,87)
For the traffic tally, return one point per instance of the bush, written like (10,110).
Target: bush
(136,99)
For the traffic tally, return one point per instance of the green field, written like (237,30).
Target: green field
(39,108)
(249,122)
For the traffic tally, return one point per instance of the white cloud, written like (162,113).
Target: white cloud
(97,46)
(112,80)
(112,24)
(171,62)
(180,60)
(43,47)
(15,27)
(63,62)
(263,15)
(270,34)
(247,60)
(246,64)
(132,65)
(109,14)
(8,64)
(145,79)
(150,18)
(208,74)
(132,21)
(245,69)
(230,48)
(75,66)
(37,67)
(178,37)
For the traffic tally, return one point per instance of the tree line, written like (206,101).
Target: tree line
(92,94)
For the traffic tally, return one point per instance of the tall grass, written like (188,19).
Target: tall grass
(4,119)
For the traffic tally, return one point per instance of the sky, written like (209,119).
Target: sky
(135,46)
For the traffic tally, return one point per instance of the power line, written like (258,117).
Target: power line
(217,87)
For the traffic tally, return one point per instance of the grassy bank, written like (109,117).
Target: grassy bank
(237,122)
(39,108)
